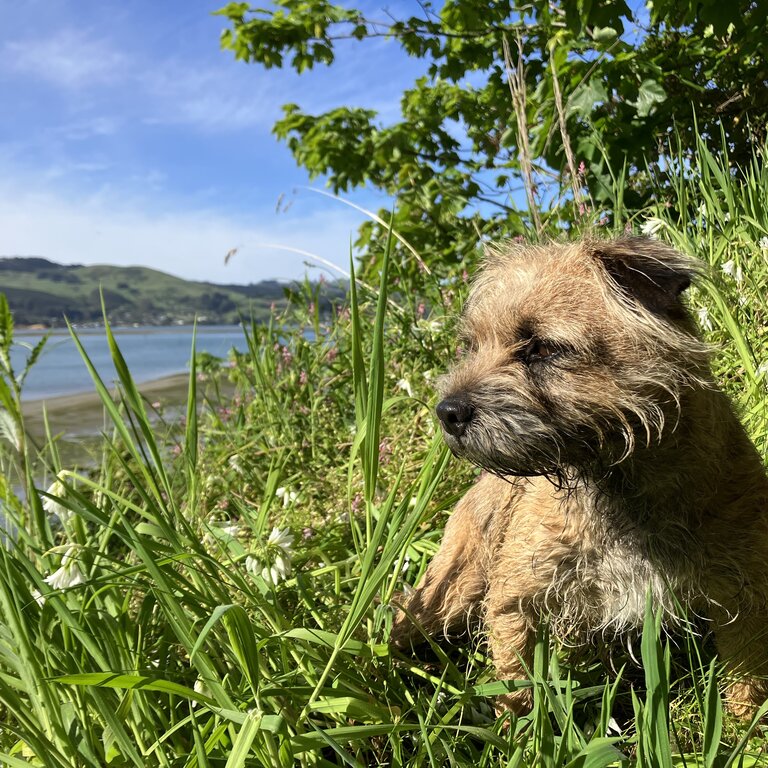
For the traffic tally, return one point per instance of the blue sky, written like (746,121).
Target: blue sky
(129,137)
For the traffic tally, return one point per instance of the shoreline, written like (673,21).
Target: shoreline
(82,414)
(201,330)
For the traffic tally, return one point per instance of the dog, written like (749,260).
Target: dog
(615,466)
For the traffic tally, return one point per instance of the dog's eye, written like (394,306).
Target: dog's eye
(536,350)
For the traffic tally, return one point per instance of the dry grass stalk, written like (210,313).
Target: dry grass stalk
(516,80)
(577,195)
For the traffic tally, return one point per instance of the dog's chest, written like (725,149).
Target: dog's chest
(617,581)
(606,580)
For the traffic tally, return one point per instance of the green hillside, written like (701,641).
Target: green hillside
(43,292)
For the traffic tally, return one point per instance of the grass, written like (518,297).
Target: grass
(218,592)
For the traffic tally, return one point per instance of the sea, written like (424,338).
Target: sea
(151,352)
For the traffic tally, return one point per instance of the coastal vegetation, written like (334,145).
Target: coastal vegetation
(217,588)
(41,292)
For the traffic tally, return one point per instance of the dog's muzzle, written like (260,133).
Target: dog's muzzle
(455,414)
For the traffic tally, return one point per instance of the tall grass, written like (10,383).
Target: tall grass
(223,597)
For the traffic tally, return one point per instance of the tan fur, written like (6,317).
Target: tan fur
(615,464)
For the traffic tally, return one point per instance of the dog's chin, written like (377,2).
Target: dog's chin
(498,462)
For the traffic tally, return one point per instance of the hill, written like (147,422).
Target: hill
(43,292)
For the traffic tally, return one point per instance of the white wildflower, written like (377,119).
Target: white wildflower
(428,376)
(53,506)
(288,496)
(232,530)
(704,320)
(68,574)
(432,326)
(733,270)
(650,227)
(279,570)
(38,597)
(282,539)
(279,551)
(235,463)
(762,369)
(763,243)
(202,688)
(405,385)
(613,728)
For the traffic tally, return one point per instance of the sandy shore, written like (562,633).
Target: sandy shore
(82,415)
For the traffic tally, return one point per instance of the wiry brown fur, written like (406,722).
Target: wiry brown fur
(615,464)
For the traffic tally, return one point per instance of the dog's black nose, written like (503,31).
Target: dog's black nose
(455,413)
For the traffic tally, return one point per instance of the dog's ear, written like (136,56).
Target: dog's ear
(650,272)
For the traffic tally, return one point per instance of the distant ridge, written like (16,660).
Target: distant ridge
(42,292)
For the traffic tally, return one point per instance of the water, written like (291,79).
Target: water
(151,353)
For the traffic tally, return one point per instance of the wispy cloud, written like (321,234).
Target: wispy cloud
(69,168)
(70,58)
(211,98)
(135,140)
(191,244)
(81,130)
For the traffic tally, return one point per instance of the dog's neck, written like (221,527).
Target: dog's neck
(653,489)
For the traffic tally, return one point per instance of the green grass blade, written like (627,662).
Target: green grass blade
(190,442)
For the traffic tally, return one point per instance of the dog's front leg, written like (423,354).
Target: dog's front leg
(511,639)
(455,582)
(743,644)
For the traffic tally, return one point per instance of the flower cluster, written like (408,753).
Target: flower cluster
(53,497)
(67,575)
(651,227)
(733,270)
(287,495)
(704,320)
(405,385)
(275,563)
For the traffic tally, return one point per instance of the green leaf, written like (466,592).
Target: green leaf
(651,94)
(599,753)
(245,738)
(137,682)
(586,97)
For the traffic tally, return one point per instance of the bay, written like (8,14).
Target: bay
(152,352)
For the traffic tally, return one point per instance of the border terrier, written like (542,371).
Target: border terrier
(615,466)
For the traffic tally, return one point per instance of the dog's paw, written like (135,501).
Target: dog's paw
(745,697)
(403,634)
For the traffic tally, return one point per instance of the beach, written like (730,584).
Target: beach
(77,421)
(82,414)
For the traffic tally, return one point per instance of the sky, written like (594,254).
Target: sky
(129,137)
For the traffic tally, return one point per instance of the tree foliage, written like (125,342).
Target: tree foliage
(589,90)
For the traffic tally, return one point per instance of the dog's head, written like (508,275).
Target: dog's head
(575,355)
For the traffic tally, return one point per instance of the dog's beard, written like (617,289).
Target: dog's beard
(514,442)
(509,442)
